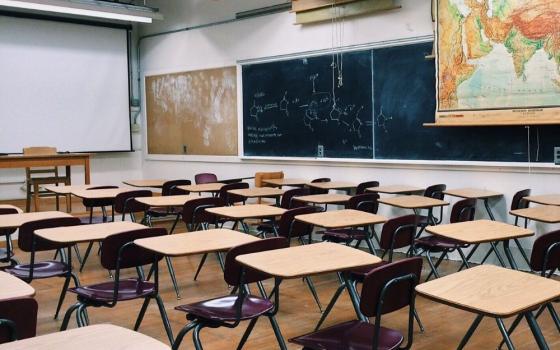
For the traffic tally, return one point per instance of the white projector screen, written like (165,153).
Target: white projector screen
(64,85)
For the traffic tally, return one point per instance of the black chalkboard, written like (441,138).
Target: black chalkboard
(393,89)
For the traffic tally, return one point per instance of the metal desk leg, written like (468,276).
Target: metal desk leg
(510,256)
(488,210)
(354,297)
(470,332)
(500,258)
(536,331)
(505,334)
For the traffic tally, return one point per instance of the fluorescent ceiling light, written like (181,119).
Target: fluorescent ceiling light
(72,9)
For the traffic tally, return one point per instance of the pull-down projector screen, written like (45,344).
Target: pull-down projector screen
(63,85)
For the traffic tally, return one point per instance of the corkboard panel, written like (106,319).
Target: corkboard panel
(192,113)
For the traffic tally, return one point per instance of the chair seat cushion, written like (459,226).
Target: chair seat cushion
(351,335)
(360,273)
(223,309)
(162,212)
(43,269)
(344,235)
(435,243)
(103,292)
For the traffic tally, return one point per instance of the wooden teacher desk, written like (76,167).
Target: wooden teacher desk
(61,159)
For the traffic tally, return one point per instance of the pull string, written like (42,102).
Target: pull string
(529,148)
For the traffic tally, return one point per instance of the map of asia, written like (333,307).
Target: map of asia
(498,61)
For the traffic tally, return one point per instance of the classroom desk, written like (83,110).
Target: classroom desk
(285,182)
(66,190)
(153,183)
(483,231)
(309,260)
(9,206)
(473,193)
(86,233)
(102,336)
(328,198)
(549,214)
(61,159)
(341,218)
(259,192)
(495,292)
(16,220)
(545,199)
(108,193)
(332,185)
(396,189)
(238,213)
(12,287)
(210,187)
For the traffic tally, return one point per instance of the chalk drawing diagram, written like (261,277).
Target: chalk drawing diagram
(255,110)
(284,103)
(382,120)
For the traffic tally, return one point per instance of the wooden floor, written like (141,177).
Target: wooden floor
(298,314)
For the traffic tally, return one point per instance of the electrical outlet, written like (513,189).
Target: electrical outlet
(556,155)
(184,149)
(320,151)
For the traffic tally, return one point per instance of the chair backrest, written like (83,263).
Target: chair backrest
(260,176)
(232,269)
(26,234)
(361,188)
(463,210)
(98,202)
(205,178)
(289,227)
(287,203)
(21,314)
(313,190)
(545,255)
(367,202)
(397,295)
(39,151)
(5,211)
(117,253)
(231,199)
(169,188)
(194,212)
(125,203)
(435,191)
(518,202)
(398,233)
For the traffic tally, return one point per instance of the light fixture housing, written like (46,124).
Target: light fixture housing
(88,8)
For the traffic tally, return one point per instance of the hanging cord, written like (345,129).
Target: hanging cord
(529,148)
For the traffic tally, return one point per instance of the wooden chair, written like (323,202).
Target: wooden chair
(260,176)
(33,183)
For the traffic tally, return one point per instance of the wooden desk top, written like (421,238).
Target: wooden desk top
(328,198)
(308,260)
(98,194)
(413,202)
(9,206)
(249,211)
(396,189)
(87,233)
(12,287)
(491,290)
(479,231)
(472,193)
(102,336)
(211,187)
(167,201)
(285,182)
(155,183)
(332,185)
(257,192)
(16,220)
(197,242)
(341,218)
(544,213)
(44,156)
(546,199)
(67,189)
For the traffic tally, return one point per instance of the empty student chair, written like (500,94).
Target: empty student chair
(205,178)
(518,202)
(118,253)
(228,311)
(7,254)
(18,319)
(314,190)
(462,210)
(30,243)
(125,203)
(386,289)
(91,203)
(169,188)
(230,198)
(436,192)
(362,187)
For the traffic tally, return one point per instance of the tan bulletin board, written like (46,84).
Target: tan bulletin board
(193,113)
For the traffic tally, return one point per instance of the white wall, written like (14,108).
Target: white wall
(276,35)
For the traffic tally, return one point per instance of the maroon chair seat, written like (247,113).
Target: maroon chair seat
(223,309)
(435,244)
(128,289)
(344,235)
(360,273)
(351,335)
(43,269)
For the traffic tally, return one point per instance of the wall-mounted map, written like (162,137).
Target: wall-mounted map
(498,62)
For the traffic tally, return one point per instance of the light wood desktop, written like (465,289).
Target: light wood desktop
(98,194)
(285,182)
(167,201)
(545,199)
(332,185)
(87,233)
(249,211)
(16,220)
(413,202)
(328,198)
(12,287)
(474,193)
(396,189)
(153,183)
(96,337)
(258,192)
(341,218)
(544,213)
(66,189)
(210,187)
(60,159)
(9,206)
(492,291)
